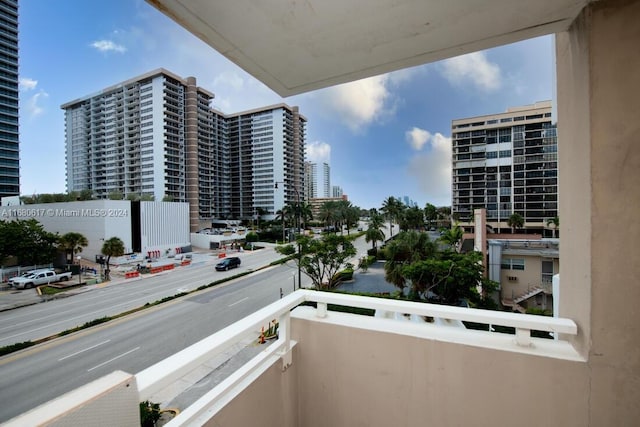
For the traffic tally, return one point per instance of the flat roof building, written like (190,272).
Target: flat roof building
(156,137)
(506,163)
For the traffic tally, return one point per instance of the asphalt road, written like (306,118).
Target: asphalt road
(36,375)
(47,319)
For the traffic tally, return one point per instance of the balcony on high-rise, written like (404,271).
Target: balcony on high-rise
(335,369)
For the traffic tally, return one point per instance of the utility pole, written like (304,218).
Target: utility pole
(298,224)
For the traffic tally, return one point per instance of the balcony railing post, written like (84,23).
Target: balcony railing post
(523,337)
(284,336)
(321,311)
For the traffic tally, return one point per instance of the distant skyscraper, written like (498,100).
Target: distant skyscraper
(506,163)
(318,180)
(336,191)
(406,200)
(9,133)
(156,135)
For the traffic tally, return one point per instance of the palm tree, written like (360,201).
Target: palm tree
(374,233)
(430,214)
(408,247)
(452,237)
(284,214)
(306,213)
(411,219)
(515,221)
(391,208)
(351,216)
(72,243)
(555,221)
(112,247)
(260,211)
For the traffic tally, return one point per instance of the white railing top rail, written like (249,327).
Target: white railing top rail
(171,369)
(164,373)
(516,320)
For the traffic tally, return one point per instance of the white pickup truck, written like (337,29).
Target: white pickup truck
(37,278)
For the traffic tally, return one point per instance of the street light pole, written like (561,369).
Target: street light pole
(298,224)
(79,270)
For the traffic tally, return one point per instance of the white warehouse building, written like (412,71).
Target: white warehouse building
(143,227)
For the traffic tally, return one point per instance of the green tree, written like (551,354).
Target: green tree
(284,215)
(555,221)
(321,259)
(515,221)
(306,214)
(391,209)
(411,219)
(351,216)
(327,214)
(408,247)
(86,194)
(452,237)
(374,231)
(71,243)
(260,212)
(430,214)
(116,195)
(112,247)
(452,277)
(28,241)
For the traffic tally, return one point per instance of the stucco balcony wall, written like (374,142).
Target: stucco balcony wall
(345,372)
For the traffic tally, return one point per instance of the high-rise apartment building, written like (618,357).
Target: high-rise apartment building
(266,160)
(506,163)
(9,134)
(318,179)
(336,191)
(157,136)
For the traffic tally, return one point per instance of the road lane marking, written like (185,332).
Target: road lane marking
(82,351)
(238,302)
(111,360)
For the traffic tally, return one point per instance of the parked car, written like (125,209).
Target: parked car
(39,277)
(227,263)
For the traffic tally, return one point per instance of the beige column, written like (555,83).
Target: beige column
(598,65)
(191,153)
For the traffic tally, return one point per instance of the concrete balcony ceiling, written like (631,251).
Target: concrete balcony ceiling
(298,46)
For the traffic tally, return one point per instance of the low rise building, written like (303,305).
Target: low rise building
(145,228)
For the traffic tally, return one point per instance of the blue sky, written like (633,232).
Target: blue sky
(384,136)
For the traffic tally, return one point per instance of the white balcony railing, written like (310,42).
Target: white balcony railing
(161,375)
(154,379)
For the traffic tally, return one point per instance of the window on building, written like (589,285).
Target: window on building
(547,271)
(512,264)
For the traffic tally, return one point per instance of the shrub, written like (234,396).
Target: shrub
(341,276)
(251,237)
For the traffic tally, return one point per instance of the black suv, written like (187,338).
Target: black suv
(227,263)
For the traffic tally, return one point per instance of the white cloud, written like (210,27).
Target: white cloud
(358,104)
(432,170)
(417,137)
(32,104)
(472,68)
(228,79)
(318,151)
(108,46)
(27,83)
